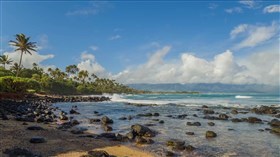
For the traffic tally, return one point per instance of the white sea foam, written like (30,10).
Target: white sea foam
(120,98)
(243,97)
(183,102)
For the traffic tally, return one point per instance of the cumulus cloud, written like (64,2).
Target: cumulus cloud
(272,9)
(254,34)
(264,65)
(27,59)
(234,10)
(89,63)
(223,68)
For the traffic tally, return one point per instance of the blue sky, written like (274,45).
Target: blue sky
(122,36)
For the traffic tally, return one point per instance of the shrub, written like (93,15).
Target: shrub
(58,87)
(13,84)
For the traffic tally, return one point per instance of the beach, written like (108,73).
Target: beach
(122,127)
(16,135)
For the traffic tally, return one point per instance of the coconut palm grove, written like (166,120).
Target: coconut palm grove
(15,78)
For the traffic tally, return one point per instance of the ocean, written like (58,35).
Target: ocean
(234,139)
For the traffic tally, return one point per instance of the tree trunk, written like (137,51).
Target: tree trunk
(19,63)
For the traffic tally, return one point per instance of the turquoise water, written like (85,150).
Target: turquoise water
(244,140)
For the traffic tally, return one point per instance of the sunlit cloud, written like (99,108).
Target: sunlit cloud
(254,35)
(272,9)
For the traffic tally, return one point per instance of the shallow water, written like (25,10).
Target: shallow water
(244,140)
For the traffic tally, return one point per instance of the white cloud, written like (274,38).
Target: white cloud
(272,9)
(264,65)
(238,29)
(94,47)
(93,9)
(87,56)
(27,59)
(254,34)
(115,37)
(223,68)
(234,10)
(213,6)
(89,63)
(249,3)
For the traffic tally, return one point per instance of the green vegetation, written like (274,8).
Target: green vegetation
(18,79)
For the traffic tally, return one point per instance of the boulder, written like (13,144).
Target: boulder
(108,135)
(211,123)
(223,117)
(75,122)
(275,123)
(182,116)
(264,110)
(106,120)
(275,130)
(189,148)
(208,111)
(176,144)
(156,114)
(37,140)
(141,140)
(190,133)
(161,122)
(234,111)
(193,124)
(130,135)
(97,153)
(210,134)
(236,120)
(72,111)
(35,128)
(169,154)
(254,120)
(129,117)
(140,130)
(94,120)
(122,118)
(107,128)
(63,117)
(145,115)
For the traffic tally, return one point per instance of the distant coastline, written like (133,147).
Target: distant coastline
(207,87)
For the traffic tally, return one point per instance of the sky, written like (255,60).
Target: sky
(233,42)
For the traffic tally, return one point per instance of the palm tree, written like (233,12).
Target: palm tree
(16,68)
(23,45)
(4,59)
(83,74)
(71,69)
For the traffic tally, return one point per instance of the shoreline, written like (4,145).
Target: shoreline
(59,128)
(16,134)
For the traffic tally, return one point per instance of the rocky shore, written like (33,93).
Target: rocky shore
(31,127)
(37,114)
